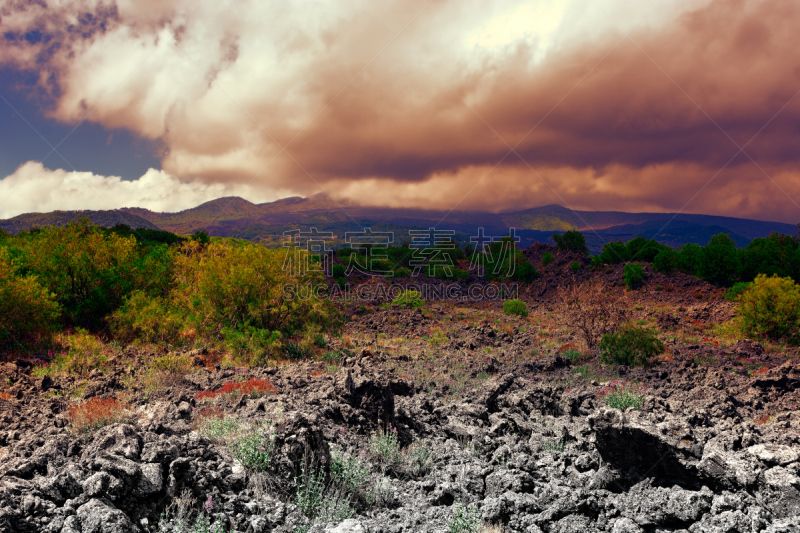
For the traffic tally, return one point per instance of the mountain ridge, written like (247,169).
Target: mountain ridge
(234,216)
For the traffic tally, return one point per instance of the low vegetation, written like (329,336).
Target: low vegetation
(770,308)
(515,307)
(90,415)
(631,345)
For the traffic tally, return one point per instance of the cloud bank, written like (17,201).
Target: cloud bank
(34,188)
(606,105)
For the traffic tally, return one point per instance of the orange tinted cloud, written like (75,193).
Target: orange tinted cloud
(410,103)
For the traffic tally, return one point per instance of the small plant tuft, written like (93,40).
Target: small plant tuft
(409,298)
(620,395)
(515,307)
(466,519)
(255,449)
(385,447)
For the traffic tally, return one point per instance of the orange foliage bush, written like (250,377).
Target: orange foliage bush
(253,387)
(4,396)
(765,419)
(95,413)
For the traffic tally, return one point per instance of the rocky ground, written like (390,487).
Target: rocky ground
(496,430)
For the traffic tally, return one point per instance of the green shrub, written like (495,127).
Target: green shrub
(225,285)
(419,458)
(515,307)
(634,275)
(690,259)
(641,249)
(85,354)
(409,298)
(218,427)
(149,319)
(173,364)
(252,346)
(575,267)
(631,346)
(28,311)
(572,354)
(771,308)
(574,241)
(402,272)
(613,253)
(296,351)
(333,357)
(732,294)
(547,258)
(666,261)
(525,272)
(201,236)
(338,271)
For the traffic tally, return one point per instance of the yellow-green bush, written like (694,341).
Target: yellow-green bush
(771,308)
(173,364)
(27,310)
(84,354)
(148,319)
(226,286)
(90,270)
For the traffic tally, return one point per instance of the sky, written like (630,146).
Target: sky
(631,105)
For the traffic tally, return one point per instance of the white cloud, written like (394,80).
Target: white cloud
(34,188)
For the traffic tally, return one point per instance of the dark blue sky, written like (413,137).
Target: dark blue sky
(89,148)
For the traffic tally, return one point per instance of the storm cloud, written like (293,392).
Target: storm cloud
(602,104)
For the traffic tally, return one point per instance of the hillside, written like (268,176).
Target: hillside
(236,217)
(106,219)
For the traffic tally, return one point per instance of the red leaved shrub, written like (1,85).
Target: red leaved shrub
(253,387)
(95,413)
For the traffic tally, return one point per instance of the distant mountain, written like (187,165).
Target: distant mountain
(236,217)
(107,219)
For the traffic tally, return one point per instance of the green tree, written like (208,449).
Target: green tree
(666,261)
(720,261)
(690,259)
(613,253)
(572,240)
(89,270)
(774,255)
(641,249)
